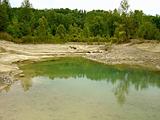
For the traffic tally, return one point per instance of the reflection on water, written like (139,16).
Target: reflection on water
(121,78)
(76,88)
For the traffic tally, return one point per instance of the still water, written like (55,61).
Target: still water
(79,89)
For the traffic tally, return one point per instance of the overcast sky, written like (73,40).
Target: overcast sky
(148,6)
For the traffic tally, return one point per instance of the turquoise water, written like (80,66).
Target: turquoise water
(79,89)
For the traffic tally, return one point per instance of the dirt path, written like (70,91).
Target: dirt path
(144,54)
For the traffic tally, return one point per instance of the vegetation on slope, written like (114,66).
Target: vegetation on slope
(29,25)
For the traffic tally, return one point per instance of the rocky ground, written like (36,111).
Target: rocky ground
(145,54)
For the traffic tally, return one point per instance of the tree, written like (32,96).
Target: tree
(4,18)
(120,33)
(75,31)
(25,17)
(147,30)
(26,4)
(86,31)
(61,31)
(156,21)
(14,28)
(124,6)
(135,20)
(6,3)
(97,27)
(43,25)
(78,24)
(113,18)
(26,11)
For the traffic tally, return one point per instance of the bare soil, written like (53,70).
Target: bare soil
(144,54)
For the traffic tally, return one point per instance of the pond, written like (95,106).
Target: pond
(80,89)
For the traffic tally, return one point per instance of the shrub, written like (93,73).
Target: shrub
(6,36)
(113,40)
(148,31)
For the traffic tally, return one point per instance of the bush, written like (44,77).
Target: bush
(6,36)
(38,39)
(29,39)
(148,31)
(157,35)
(113,40)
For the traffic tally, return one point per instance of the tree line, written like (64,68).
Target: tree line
(28,25)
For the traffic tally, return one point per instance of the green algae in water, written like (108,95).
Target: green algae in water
(80,89)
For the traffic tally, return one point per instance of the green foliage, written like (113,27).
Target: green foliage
(37,39)
(53,29)
(4,18)
(26,4)
(41,34)
(124,6)
(113,40)
(95,24)
(125,33)
(5,36)
(61,31)
(14,28)
(25,17)
(75,33)
(148,31)
(156,21)
(135,20)
(65,25)
(42,28)
(86,32)
(120,33)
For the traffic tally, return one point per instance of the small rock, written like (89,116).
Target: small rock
(72,47)
(6,79)
(21,75)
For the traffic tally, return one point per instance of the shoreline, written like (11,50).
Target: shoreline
(146,55)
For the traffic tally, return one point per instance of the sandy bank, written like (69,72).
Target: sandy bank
(144,54)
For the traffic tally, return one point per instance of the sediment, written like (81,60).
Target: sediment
(144,54)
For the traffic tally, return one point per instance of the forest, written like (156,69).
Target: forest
(28,25)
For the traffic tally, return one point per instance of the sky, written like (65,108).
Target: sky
(151,7)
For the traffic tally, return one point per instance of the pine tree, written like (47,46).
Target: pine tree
(61,31)
(14,28)
(42,29)
(25,17)
(4,18)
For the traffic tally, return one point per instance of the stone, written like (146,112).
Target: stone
(21,75)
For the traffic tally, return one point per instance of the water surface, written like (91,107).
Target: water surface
(79,89)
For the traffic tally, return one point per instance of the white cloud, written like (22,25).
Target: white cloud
(148,6)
